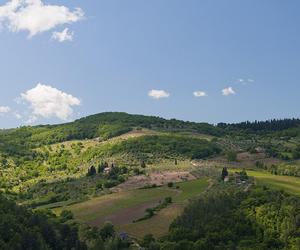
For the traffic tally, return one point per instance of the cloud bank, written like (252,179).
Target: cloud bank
(36,17)
(48,102)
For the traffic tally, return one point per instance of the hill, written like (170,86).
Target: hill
(141,172)
(103,125)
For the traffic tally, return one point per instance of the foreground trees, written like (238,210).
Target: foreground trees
(23,229)
(260,219)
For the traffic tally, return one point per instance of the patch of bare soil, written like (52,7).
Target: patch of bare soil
(158,178)
(125,216)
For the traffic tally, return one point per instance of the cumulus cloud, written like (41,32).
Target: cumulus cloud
(228,91)
(199,94)
(48,102)
(158,94)
(63,36)
(36,17)
(4,109)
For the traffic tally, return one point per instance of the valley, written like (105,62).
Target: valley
(143,174)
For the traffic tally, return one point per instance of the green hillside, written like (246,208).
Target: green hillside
(105,166)
(105,125)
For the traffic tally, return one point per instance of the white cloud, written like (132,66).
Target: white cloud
(18,115)
(199,94)
(245,81)
(4,109)
(36,17)
(157,94)
(48,102)
(62,36)
(228,91)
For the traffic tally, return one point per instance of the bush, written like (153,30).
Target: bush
(66,215)
(110,183)
(168,200)
(231,156)
(170,184)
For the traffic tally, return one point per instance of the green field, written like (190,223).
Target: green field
(123,207)
(159,224)
(288,183)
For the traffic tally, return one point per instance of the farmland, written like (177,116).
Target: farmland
(148,176)
(123,208)
(287,183)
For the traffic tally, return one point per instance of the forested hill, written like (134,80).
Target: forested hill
(262,126)
(103,125)
(110,124)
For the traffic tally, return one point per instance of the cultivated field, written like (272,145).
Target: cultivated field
(123,207)
(288,183)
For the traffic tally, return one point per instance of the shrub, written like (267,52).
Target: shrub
(110,183)
(170,184)
(168,200)
(231,156)
(66,215)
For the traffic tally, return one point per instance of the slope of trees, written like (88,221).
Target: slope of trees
(23,229)
(266,126)
(261,219)
(106,125)
(168,146)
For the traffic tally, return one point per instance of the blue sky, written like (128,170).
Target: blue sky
(108,56)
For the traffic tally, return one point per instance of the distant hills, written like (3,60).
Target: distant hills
(110,124)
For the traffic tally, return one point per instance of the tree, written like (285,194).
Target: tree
(231,156)
(91,171)
(107,231)
(143,164)
(101,168)
(149,212)
(170,184)
(224,173)
(168,200)
(147,240)
(66,215)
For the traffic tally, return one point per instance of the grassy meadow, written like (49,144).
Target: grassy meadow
(288,183)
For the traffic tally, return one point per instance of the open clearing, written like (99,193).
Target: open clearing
(288,183)
(159,224)
(123,207)
(158,178)
(107,205)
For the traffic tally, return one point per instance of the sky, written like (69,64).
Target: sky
(199,60)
